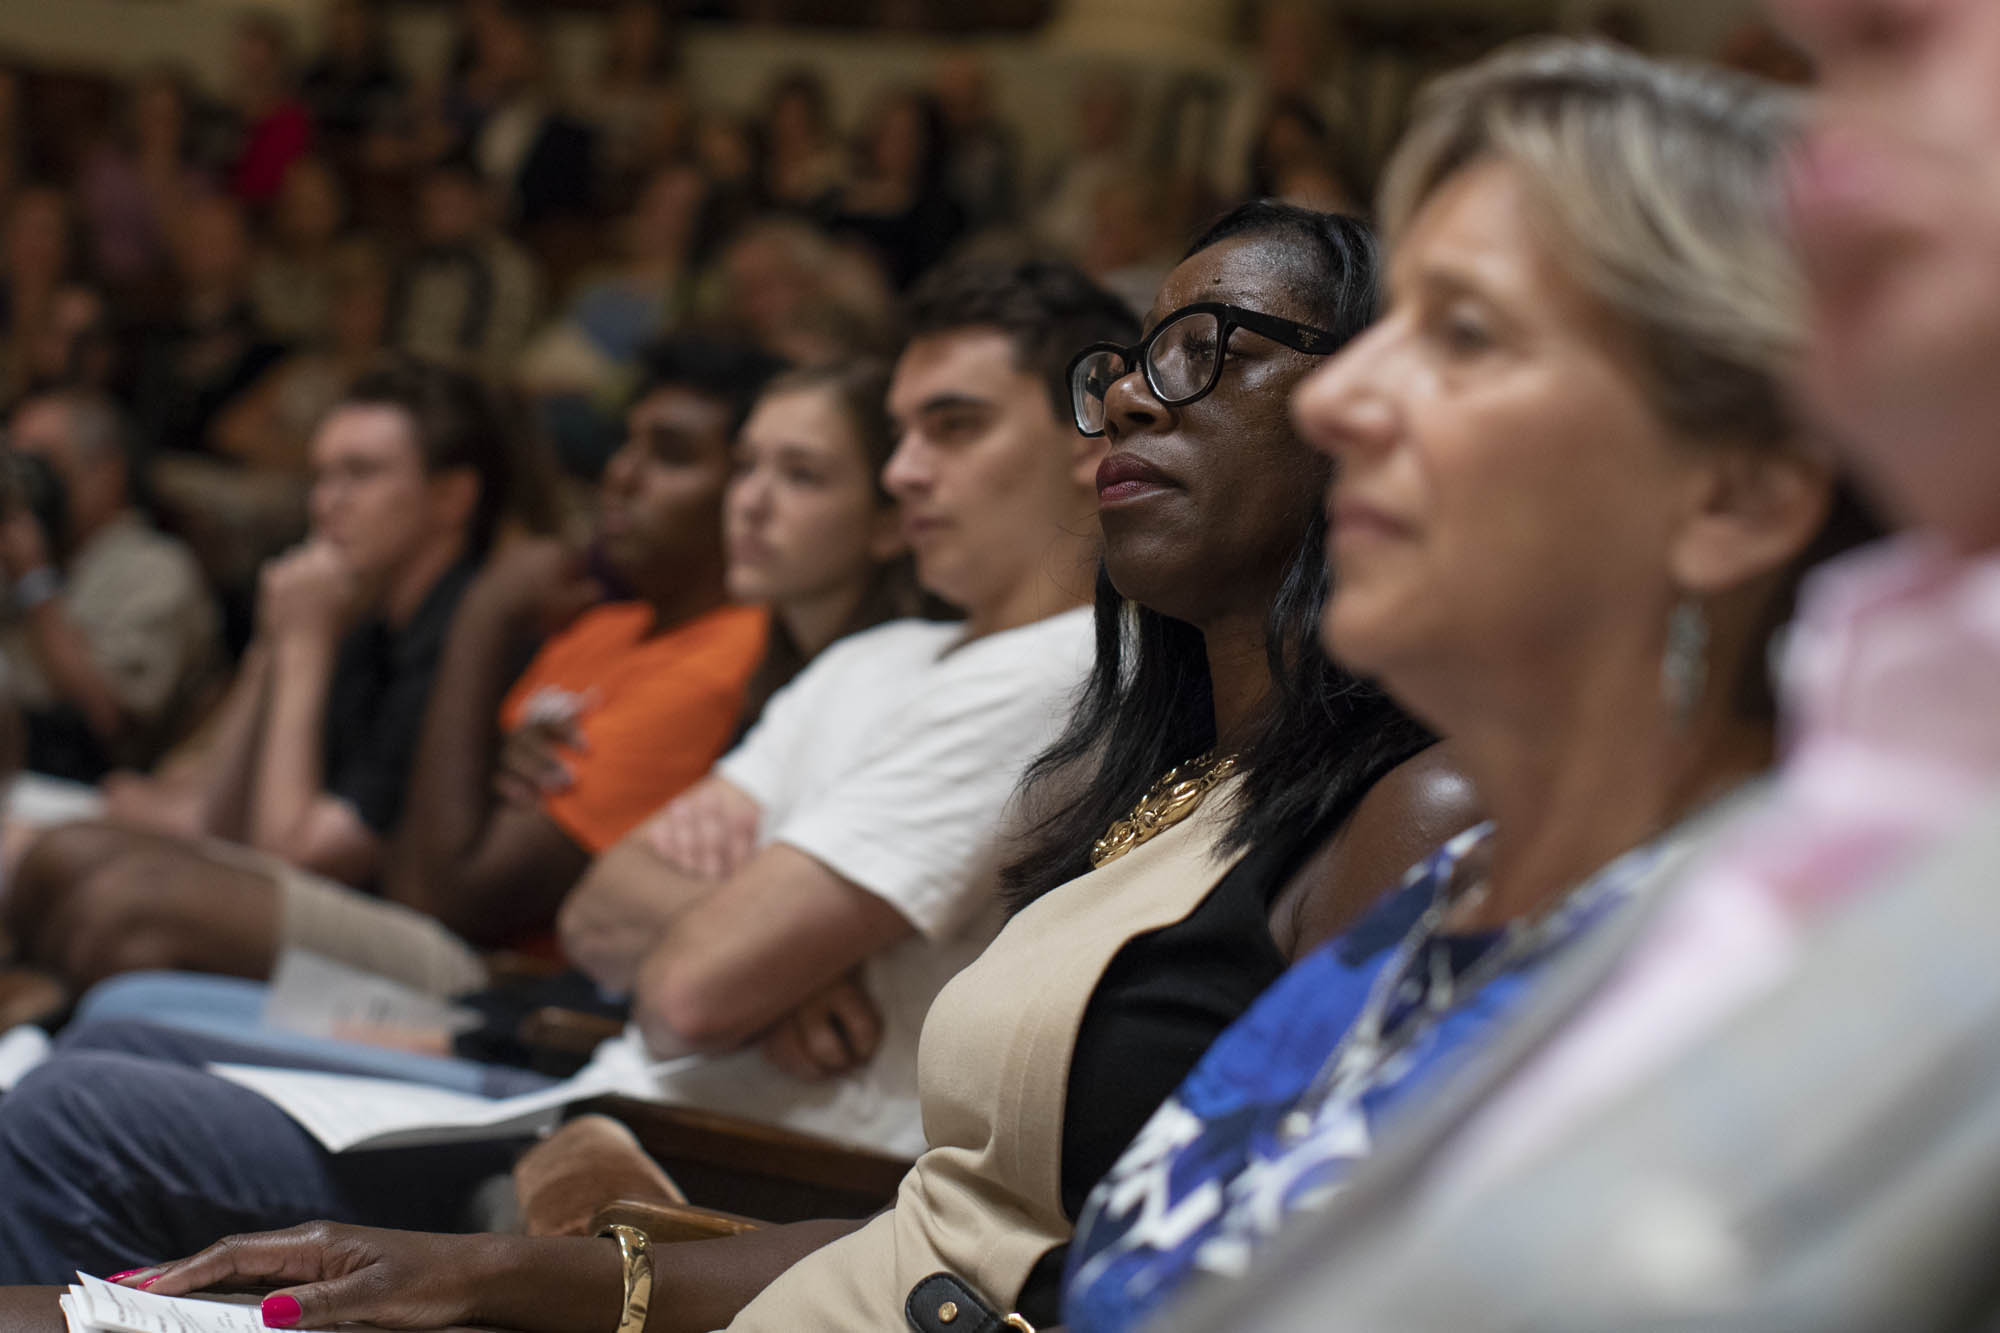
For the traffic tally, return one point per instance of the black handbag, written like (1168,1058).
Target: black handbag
(943,1304)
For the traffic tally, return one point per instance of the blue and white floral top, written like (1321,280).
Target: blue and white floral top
(1287,1100)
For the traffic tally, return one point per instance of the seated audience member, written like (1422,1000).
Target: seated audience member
(275,127)
(1570,510)
(39,261)
(542,163)
(1821,987)
(309,755)
(246,500)
(1214,753)
(468,295)
(292,280)
(574,365)
(1101,147)
(636,101)
(639,696)
(983,167)
(353,89)
(113,634)
(191,367)
(787,285)
(802,169)
(899,204)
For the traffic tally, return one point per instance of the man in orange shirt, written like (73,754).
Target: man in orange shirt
(636,699)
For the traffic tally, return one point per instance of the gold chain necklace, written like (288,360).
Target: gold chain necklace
(1166,803)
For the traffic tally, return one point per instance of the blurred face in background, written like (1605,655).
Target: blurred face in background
(1896,201)
(309,204)
(663,221)
(214,248)
(660,501)
(371,498)
(452,208)
(803,516)
(95,483)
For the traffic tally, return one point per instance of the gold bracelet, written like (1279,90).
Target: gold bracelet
(635,1252)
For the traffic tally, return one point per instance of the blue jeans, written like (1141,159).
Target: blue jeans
(121,1150)
(233,1009)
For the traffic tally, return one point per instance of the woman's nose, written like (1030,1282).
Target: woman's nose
(1129,405)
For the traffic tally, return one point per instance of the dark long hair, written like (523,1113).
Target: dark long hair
(1325,737)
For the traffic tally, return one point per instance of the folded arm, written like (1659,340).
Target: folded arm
(756,947)
(624,903)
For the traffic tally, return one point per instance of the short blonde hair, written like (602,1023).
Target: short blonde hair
(1661,185)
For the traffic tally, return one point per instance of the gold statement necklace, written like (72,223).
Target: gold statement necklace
(1166,803)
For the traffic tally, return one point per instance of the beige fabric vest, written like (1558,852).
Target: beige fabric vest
(993,1073)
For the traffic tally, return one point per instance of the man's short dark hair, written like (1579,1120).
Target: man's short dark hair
(457,423)
(732,372)
(1050,310)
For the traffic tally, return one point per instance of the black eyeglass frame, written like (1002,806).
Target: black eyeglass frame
(1299,337)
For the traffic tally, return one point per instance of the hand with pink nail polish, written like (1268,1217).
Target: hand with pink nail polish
(331,1274)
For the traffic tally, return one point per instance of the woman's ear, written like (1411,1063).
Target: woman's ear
(1751,513)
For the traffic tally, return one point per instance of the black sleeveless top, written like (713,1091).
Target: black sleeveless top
(1163,1000)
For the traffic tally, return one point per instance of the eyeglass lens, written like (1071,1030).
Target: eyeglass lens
(1090,380)
(1180,364)
(1181,361)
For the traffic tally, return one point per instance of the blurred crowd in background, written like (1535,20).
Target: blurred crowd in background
(221,266)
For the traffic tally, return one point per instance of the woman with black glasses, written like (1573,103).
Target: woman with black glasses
(1223,800)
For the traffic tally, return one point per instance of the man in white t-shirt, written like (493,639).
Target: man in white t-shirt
(813,894)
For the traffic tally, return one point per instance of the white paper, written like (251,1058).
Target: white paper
(320,997)
(21,1050)
(348,1113)
(97,1304)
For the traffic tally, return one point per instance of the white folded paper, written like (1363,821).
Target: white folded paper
(95,1306)
(347,1113)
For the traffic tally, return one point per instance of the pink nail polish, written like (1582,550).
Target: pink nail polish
(280,1312)
(151,1280)
(120,1277)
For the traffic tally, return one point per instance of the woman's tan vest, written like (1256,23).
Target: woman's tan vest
(984,1202)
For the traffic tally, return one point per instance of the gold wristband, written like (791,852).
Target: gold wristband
(635,1252)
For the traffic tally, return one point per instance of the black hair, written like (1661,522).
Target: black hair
(1048,308)
(1325,737)
(729,371)
(458,423)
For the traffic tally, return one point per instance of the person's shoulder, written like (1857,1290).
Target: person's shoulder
(132,541)
(1056,648)
(895,641)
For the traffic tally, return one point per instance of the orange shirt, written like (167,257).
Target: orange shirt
(655,710)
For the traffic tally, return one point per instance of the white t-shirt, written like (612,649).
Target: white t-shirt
(890,760)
